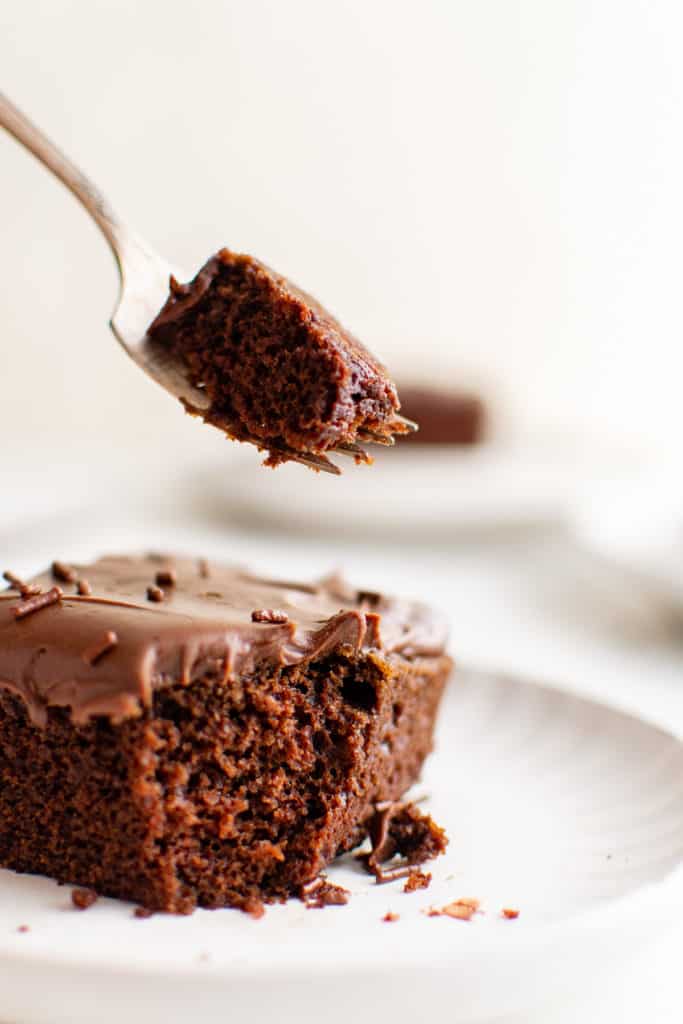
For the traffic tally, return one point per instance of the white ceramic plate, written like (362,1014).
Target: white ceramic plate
(568,810)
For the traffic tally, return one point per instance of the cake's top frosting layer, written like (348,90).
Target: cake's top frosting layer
(124,626)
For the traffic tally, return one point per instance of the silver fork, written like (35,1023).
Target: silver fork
(144,285)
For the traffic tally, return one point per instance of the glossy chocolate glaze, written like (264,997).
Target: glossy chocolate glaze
(105,653)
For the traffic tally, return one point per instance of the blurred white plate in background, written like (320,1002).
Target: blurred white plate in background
(409,488)
(637,528)
(560,807)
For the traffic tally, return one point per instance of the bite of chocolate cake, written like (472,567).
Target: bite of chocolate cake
(278,369)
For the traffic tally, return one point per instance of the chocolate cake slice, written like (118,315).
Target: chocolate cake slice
(446,416)
(279,370)
(180,734)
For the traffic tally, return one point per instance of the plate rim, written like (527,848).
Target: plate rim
(656,899)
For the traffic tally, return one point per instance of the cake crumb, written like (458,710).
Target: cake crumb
(510,913)
(417,880)
(391,917)
(83,898)
(400,830)
(155,594)
(462,910)
(23,928)
(143,912)
(254,908)
(321,893)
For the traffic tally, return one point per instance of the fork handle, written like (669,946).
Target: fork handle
(121,239)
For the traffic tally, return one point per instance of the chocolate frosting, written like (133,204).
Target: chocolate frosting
(106,652)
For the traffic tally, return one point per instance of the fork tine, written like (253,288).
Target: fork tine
(317,462)
(353,450)
(373,438)
(410,425)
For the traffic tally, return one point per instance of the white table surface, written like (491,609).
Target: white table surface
(526,602)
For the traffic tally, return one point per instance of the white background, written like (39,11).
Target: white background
(484,190)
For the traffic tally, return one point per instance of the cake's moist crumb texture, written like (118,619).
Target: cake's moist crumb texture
(277,368)
(205,759)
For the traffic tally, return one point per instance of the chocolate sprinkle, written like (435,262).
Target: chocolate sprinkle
(269,615)
(103,646)
(64,573)
(25,589)
(155,594)
(34,604)
(166,578)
